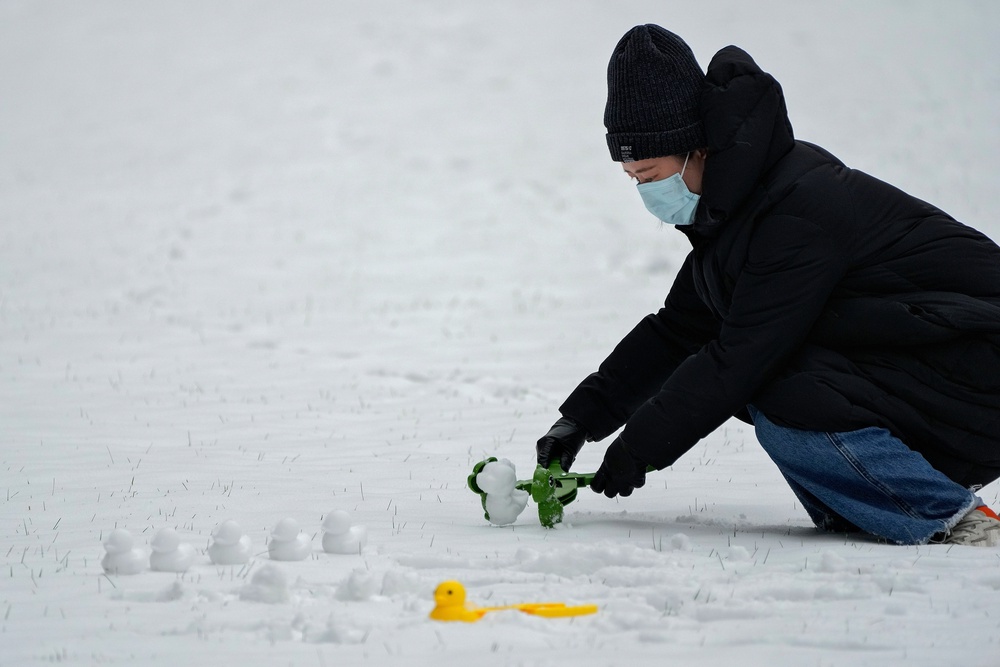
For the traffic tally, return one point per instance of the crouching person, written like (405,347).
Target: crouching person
(855,326)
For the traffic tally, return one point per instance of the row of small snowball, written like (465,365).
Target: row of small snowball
(230,545)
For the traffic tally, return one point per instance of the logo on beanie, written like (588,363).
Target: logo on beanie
(626,153)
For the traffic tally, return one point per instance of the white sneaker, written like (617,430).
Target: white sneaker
(978,528)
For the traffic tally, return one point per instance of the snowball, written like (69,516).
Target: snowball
(497,477)
(359,585)
(285,530)
(171,593)
(227,533)
(351,541)
(504,502)
(165,541)
(504,510)
(337,522)
(268,584)
(118,541)
(120,557)
(680,542)
(237,553)
(288,551)
(178,559)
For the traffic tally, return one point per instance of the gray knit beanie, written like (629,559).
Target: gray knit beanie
(653,86)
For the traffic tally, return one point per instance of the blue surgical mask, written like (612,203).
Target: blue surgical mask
(669,199)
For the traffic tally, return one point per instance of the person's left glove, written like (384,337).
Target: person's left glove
(620,473)
(561,444)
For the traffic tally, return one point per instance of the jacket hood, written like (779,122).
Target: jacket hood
(748,131)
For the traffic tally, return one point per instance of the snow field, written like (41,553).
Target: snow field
(261,261)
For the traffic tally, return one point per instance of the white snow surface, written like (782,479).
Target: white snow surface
(262,259)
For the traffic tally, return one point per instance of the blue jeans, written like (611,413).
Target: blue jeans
(865,480)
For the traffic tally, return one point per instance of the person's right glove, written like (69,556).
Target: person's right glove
(562,443)
(620,473)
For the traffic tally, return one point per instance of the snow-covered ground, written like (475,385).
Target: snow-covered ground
(263,260)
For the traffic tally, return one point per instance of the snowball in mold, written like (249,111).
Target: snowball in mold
(497,477)
(504,501)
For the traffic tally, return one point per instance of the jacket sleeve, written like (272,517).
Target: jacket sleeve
(792,267)
(641,363)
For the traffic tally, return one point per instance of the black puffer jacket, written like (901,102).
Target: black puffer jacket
(824,297)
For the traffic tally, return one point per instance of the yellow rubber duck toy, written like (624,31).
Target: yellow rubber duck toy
(450,605)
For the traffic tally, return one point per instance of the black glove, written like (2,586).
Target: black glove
(562,443)
(620,473)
